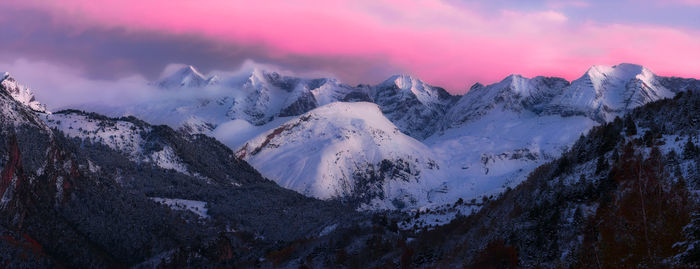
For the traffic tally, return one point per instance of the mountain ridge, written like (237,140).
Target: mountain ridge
(480,137)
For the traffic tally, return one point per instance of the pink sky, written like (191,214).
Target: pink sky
(444,43)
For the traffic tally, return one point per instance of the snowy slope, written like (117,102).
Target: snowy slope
(328,90)
(605,92)
(196,207)
(495,135)
(482,142)
(499,149)
(19,108)
(121,135)
(197,103)
(412,105)
(346,150)
(186,77)
(514,93)
(197,156)
(20,92)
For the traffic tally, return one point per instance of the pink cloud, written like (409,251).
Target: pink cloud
(689,2)
(563,4)
(444,44)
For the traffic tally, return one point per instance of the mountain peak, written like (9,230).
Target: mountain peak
(188,70)
(21,93)
(186,77)
(606,91)
(476,86)
(402,81)
(629,66)
(191,69)
(512,77)
(623,70)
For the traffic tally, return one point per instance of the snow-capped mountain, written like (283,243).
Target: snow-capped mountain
(412,105)
(143,143)
(201,103)
(346,150)
(514,93)
(605,92)
(495,135)
(259,97)
(172,199)
(483,141)
(99,192)
(263,96)
(20,92)
(186,77)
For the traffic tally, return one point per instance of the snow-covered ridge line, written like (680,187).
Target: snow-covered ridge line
(310,135)
(259,97)
(186,77)
(125,135)
(21,93)
(346,150)
(416,108)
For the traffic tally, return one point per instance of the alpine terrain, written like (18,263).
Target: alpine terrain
(308,135)
(260,169)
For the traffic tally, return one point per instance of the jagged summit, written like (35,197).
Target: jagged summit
(187,77)
(476,85)
(514,93)
(622,68)
(413,105)
(416,86)
(601,94)
(604,92)
(21,93)
(402,81)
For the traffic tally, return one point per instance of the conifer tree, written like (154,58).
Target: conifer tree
(630,127)
(690,150)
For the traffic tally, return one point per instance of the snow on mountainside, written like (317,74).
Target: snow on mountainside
(20,92)
(259,97)
(514,93)
(346,150)
(483,142)
(56,189)
(197,104)
(186,77)
(194,155)
(328,90)
(15,110)
(605,92)
(499,149)
(495,135)
(412,105)
(266,95)
(120,135)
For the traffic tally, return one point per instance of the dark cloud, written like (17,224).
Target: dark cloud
(114,53)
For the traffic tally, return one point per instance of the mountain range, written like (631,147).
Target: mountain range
(449,146)
(268,170)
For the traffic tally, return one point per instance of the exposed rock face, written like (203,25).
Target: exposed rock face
(413,106)
(514,93)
